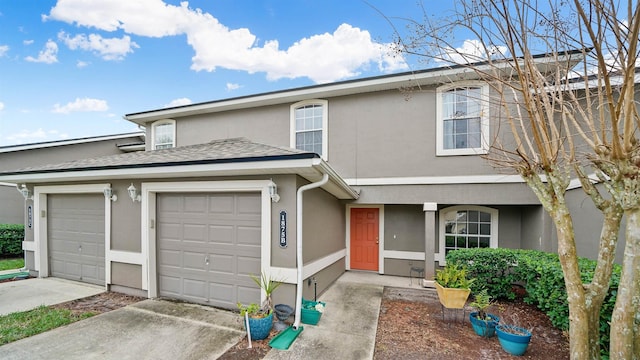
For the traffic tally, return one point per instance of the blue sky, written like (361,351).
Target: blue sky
(73,68)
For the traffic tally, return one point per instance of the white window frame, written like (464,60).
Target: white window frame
(484,120)
(160,123)
(493,240)
(325,123)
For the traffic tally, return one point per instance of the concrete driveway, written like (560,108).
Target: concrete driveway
(23,295)
(151,329)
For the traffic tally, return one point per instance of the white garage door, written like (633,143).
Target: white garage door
(75,235)
(207,245)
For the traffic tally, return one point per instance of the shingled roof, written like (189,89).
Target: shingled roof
(215,152)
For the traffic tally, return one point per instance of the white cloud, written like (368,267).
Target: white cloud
(48,55)
(80,64)
(232,86)
(27,42)
(39,135)
(85,104)
(470,51)
(178,102)
(322,58)
(4,49)
(1,106)
(107,49)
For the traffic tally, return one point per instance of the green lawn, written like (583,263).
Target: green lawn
(20,325)
(8,264)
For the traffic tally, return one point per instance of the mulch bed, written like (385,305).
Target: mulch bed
(412,326)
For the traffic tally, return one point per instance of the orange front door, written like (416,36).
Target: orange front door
(364,239)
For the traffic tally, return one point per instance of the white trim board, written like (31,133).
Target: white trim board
(289,275)
(435,180)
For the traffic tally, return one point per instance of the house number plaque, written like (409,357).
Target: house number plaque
(283,229)
(29,216)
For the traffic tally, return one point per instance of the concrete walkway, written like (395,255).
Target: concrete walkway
(347,329)
(28,294)
(150,329)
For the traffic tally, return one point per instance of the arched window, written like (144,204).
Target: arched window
(309,121)
(465,227)
(462,120)
(163,134)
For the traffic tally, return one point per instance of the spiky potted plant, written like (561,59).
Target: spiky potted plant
(483,323)
(453,286)
(259,319)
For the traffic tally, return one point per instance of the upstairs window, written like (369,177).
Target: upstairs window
(163,134)
(463,124)
(309,126)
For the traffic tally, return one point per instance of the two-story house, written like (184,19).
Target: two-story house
(220,192)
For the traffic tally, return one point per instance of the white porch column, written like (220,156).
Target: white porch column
(430,240)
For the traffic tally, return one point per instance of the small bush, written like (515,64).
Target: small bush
(11,237)
(541,274)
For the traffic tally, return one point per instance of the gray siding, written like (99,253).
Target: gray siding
(324,224)
(403,228)
(12,205)
(587,224)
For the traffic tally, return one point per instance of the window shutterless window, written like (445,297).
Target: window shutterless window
(163,134)
(309,126)
(462,120)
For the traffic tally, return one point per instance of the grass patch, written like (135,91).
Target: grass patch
(9,264)
(20,325)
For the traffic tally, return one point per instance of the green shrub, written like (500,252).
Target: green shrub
(541,274)
(11,237)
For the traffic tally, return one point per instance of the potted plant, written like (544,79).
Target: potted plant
(483,323)
(259,320)
(453,286)
(514,339)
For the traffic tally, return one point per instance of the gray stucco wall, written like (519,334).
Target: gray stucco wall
(587,224)
(403,228)
(11,205)
(323,223)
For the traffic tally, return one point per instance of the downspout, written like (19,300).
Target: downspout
(325,179)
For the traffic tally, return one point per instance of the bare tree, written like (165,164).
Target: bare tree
(570,112)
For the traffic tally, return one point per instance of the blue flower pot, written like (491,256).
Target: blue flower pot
(484,328)
(260,328)
(513,339)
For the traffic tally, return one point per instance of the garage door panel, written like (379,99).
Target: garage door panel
(221,204)
(248,266)
(170,285)
(194,261)
(195,232)
(225,227)
(249,205)
(222,263)
(221,234)
(249,235)
(195,288)
(75,233)
(169,258)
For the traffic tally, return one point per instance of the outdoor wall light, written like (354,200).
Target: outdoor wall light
(133,193)
(108,193)
(25,192)
(273,192)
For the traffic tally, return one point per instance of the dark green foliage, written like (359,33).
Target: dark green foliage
(11,237)
(541,275)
